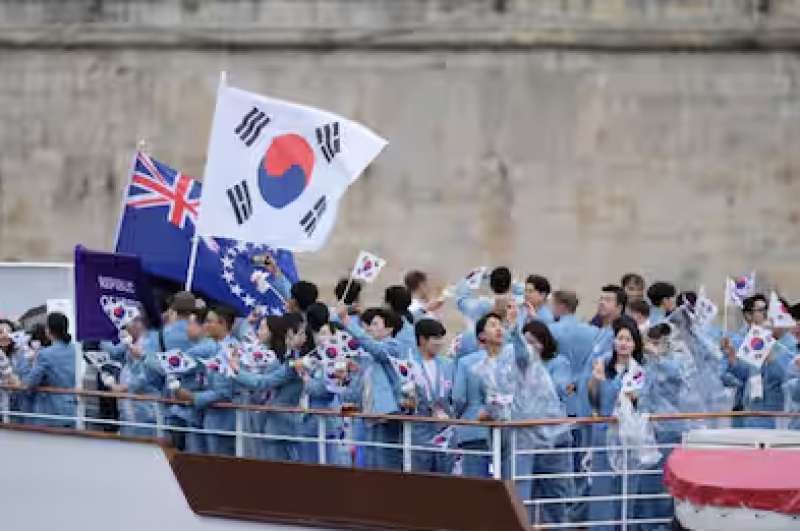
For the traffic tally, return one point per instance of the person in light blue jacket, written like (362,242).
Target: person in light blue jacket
(604,389)
(662,301)
(284,384)
(54,366)
(582,343)
(537,291)
(662,393)
(434,386)
(379,381)
(219,384)
(20,357)
(398,299)
(536,337)
(470,393)
(762,388)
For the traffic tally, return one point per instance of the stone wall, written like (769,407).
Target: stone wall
(579,142)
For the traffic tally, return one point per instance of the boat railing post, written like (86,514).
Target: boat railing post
(624,504)
(321,439)
(497,453)
(159,420)
(239,433)
(406,446)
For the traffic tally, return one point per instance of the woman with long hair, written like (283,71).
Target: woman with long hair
(605,386)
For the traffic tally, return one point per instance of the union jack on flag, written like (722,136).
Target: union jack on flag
(156,185)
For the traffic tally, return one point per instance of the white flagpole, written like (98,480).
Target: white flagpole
(140,147)
(192,260)
(223,80)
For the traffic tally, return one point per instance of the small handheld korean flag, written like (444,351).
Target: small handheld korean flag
(756,346)
(705,311)
(276,170)
(476,276)
(739,288)
(779,314)
(367,267)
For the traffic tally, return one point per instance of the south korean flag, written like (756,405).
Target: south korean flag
(276,170)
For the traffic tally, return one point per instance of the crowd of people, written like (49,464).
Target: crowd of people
(523,355)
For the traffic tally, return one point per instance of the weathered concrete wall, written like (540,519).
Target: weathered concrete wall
(579,162)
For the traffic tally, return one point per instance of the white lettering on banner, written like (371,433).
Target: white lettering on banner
(116,284)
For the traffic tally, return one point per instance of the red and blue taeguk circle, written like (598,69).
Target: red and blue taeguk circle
(285,170)
(756,343)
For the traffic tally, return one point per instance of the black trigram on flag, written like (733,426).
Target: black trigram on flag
(328,140)
(251,125)
(239,196)
(309,221)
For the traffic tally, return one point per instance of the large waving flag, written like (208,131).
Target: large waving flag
(276,170)
(158,223)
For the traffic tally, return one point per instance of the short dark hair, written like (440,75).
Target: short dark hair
(539,283)
(390,318)
(687,297)
(622,298)
(226,315)
(58,326)
(500,280)
(632,278)
(414,279)
(428,328)
(658,331)
(794,311)
(540,331)
(398,298)
(481,324)
(640,307)
(353,292)
(305,293)
(749,304)
(567,298)
(294,321)
(317,315)
(658,291)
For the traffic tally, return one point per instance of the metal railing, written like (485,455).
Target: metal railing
(501,451)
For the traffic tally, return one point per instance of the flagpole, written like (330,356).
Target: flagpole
(346,288)
(140,147)
(192,260)
(223,80)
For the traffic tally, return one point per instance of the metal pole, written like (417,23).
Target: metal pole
(239,433)
(159,421)
(406,446)
(321,439)
(497,453)
(192,260)
(624,510)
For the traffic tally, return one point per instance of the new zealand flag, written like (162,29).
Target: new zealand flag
(158,223)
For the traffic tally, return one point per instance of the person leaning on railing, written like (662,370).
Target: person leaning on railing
(605,385)
(54,366)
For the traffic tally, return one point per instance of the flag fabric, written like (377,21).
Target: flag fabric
(756,345)
(276,170)
(110,289)
(476,276)
(367,267)
(739,288)
(779,314)
(158,224)
(705,311)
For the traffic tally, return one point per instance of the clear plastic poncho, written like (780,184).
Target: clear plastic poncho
(633,431)
(701,362)
(518,387)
